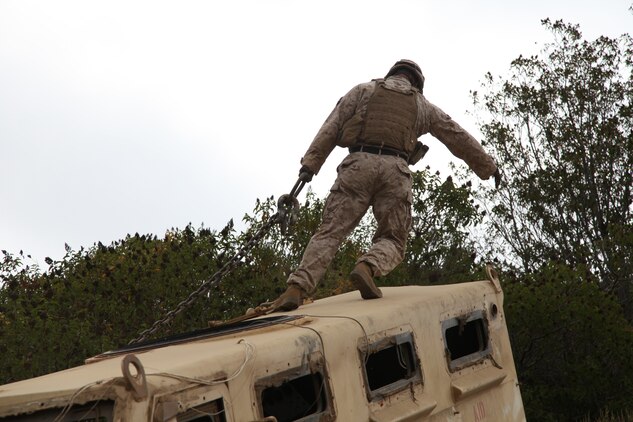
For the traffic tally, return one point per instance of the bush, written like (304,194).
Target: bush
(571,344)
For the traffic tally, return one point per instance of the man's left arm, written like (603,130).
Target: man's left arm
(462,144)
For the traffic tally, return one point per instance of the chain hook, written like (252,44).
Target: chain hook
(288,211)
(288,207)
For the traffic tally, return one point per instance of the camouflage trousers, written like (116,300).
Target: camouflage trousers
(380,181)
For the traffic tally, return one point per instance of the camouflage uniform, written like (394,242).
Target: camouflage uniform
(380,181)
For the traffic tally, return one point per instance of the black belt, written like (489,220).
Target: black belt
(379,151)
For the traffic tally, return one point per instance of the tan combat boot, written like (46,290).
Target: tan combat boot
(291,299)
(362,278)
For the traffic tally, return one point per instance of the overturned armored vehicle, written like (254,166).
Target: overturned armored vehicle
(421,353)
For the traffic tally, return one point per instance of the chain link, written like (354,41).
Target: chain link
(286,215)
(214,280)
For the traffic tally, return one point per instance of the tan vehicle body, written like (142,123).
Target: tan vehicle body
(421,353)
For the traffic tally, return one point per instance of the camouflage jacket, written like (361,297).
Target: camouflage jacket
(430,119)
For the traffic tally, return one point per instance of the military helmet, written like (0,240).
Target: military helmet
(412,68)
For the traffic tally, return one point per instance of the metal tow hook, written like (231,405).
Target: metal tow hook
(288,207)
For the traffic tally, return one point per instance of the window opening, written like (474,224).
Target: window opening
(212,411)
(391,365)
(295,398)
(466,340)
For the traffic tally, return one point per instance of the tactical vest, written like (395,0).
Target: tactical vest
(390,119)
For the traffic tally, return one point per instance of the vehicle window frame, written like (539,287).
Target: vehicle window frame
(470,359)
(195,412)
(314,364)
(381,344)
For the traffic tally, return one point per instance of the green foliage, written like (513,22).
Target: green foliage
(96,299)
(440,249)
(571,344)
(561,127)
(609,416)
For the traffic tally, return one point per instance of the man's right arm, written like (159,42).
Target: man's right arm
(326,138)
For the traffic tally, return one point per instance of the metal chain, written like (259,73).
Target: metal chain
(285,216)
(214,280)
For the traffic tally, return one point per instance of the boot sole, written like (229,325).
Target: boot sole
(367,291)
(287,305)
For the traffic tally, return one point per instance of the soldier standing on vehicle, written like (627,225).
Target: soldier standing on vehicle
(380,122)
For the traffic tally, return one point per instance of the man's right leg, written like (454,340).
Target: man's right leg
(345,206)
(341,214)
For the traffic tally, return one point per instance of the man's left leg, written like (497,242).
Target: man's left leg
(392,210)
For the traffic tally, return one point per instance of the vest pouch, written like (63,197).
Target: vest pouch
(419,151)
(348,136)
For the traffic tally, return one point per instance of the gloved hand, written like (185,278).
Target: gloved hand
(497,176)
(305,174)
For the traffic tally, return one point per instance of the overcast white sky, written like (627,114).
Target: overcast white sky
(127,116)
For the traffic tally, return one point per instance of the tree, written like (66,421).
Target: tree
(440,249)
(571,344)
(97,299)
(561,127)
